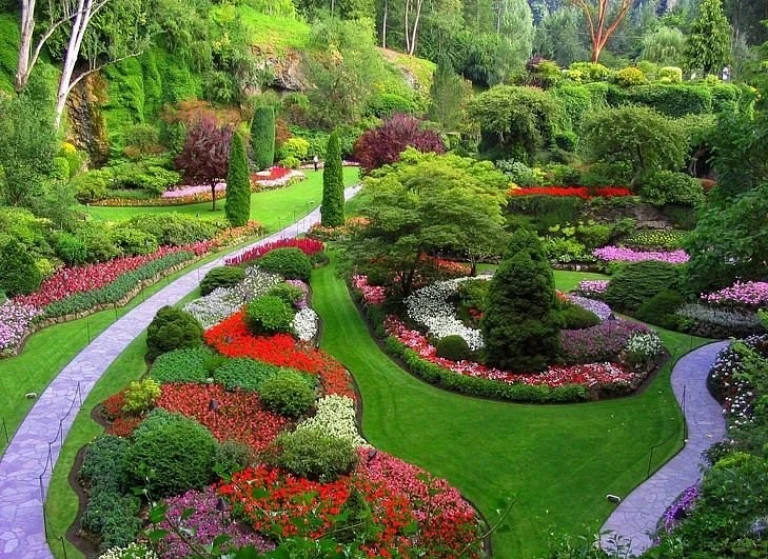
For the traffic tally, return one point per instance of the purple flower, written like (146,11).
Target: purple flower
(603,342)
(599,308)
(750,293)
(301,303)
(593,287)
(621,254)
(15,319)
(680,508)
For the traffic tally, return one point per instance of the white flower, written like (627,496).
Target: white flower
(335,416)
(647,345)
(305,324)
(133,551)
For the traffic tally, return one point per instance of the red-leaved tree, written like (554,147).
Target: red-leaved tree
(205,157)
(383,145)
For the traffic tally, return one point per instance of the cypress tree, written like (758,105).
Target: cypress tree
(332,208)
(263,137)
(238,203)
(520,326)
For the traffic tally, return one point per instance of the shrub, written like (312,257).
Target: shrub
(575,317)
(263,137)
(332,206)
(384,144)
(291,263)
(232,457)
(238,203)
(98,241)
(171,329)
(183,365)
(60,169)
(629,76)
(171,453)
(661,308)
(671,74)
(289,294)
(290,163)
(454,348)
(297,148)
(150,176)
(590,71)
(91,186)
(70,249)
(668,187)
(287,393)
(18,273)
(132,242)
(244,374)
(224,276)
(635,283)
(173,229)
(312,454)
(384,105)
(268,315)
(140,396)
(104,465)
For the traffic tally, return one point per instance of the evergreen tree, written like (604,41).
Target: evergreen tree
(18,273)
(447,96)
(520,326)
(332,208)
(263,137)
(708,47)
(238,203)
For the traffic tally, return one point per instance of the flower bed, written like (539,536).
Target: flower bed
(752,294)
(603,342)
(622,254)
(335,416)
(593,287)
(372,294)
(578,191)
(678,510)
(309,247)
(15,319)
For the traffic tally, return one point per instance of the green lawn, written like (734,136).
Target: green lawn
(557,461)
(272,208)
(274,34)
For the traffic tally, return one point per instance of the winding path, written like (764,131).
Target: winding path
(638,514)
(31,453)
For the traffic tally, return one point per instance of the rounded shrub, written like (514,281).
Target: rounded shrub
(661,308)
(287,393)
(172,454)
(18,273)
(133,242)
(231,457)
(289,294)
(91,186)
(633,284)
(141,395)
(183,365)
(315,455)
(244,374)
(575,317)
(224,276)
(668,187)
(171,329)
(454,348)
(629,76)
(290,263)
(268,315)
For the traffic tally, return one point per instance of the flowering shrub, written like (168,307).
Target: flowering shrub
(593,287)
(372,294)
(620,254)
(643,349)
(237,416)
(603,342)
(132,551)
(305,324)
(748,294)
(678,510)
(579,191)
(600,309)
(307,246)
(15,319)
(335,416)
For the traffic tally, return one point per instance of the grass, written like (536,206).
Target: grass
(272,208)
(558,462)
(274,34)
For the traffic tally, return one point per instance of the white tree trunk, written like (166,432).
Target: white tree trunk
(25,46)
(384,25)
(79,25)
(412,44)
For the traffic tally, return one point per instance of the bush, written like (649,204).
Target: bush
(384,144)
(18,273)
(174,229)
(171,329)
(149,175)
(661,308)
(384,105)
(635,283)
(629,76)
(104,465)
(171,453)
(291,263)
(133,242)
(588,72)
(263,137)
(290,163)
(244,374)
(60,169)
(297,148)
(183,365)
(268,315)
(668,187)
(575,317)
(91,186)
(454,348)
(671,74)
(140,396)
(224,276)
(287,393)
(289,294)
(70,249)
(98,241)
(312,454)
(547,211)
(332,204)
(232,457)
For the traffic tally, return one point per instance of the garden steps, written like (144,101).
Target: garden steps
(27,464)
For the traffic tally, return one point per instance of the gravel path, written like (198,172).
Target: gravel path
(22,531)
(638,514)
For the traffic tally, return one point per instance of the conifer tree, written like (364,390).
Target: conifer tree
(708,47)
(263,137)
(238,203)
(332,208)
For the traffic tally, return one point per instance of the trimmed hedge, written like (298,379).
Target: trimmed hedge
(183,365)
(172,329)
(268,315)
(291,263)
(454,348)
(224,276)
(635,283)
(287,393)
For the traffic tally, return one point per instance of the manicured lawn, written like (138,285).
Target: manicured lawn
(565,280)
(272,208)
(557,461)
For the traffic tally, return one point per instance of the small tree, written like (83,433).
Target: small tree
(263,137)
(708,46)
(238,203)
(520,326)
(603,18)
(332,208)
(205,157)
(448,94)
(18,273)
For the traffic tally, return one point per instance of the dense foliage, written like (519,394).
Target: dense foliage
(172,329)
(263,137)
(332,206)
(238,204)
(384,144)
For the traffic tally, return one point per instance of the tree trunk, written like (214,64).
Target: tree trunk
(419,6)
(407,26)
(596,50)
(213,195)
(473,270)
(384,25)
(25,46)
(79,25)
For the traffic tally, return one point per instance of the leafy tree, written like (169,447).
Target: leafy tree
(448,95)
(18,273)
(603,18)
(332,207)
(263,137)
(637,136)
(520,325)
(205,156)
(238,203)
(383,145)
(708,47)
(560,38)
(739,153)
(664,46)
(748,18)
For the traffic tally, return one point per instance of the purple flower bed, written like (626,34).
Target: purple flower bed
(603,342)
(15,318)
(602,310)
(622,254)
(212,518)
(749,293)
(302,303)
(680,508)
(593,287)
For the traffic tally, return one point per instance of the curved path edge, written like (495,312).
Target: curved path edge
(635,520)
(30,452)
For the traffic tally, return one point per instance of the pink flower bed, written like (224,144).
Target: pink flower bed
(590,374)
(372,294)
(593,287)
(749,293)
(15,318)
(307,246)
(622,254)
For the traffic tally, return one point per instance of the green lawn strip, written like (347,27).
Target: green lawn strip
(274,209)
(558,461)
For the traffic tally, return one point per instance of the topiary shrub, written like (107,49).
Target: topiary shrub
(244,374)
(237,206)
(183,365)
(171,329)
(630,76)
(575,317)
(287,393)
(454,348)
(291,263)
(172,454)
(140,396)
(263,137)
(18,273)
(268,315)
(289,294)
(668,187)
(661,308)
(315,455)
(232,457)
(634,284)
(224,276)
(332,205)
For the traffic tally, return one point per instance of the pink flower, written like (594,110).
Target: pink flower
(622,254)
(750,293)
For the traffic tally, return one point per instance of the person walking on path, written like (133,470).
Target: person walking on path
(316,162)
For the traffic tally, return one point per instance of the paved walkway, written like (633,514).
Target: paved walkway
(22,534)
(638,514)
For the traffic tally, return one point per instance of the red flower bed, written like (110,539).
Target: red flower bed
(124,426)
(580,191)
(307,246)
(113,406)
(238,416)
(274,173)
(231,337)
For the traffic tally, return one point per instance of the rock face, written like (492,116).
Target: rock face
(87,128)
(285,70)
(644,215)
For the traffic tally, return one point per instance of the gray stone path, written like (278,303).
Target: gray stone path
(22,532)
(637,516)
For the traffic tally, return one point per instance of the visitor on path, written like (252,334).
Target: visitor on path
(316,162)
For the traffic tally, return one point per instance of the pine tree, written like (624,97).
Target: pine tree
(263,137)
(238,203)
(332,208)
(447,96)
(708,47)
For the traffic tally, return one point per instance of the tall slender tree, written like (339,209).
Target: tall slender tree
(238,204)
(708,46)
(263,137)
(332,208)
(603,18)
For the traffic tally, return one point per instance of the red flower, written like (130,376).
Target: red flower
(579,191)
(307,246)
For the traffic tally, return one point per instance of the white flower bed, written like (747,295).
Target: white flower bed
(335,416)
(305,324)
(133,551)
(646,345)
